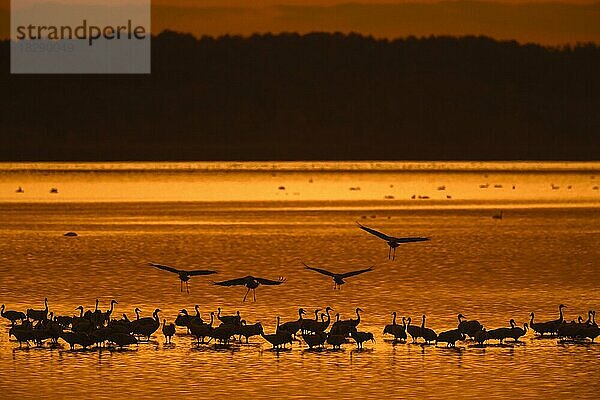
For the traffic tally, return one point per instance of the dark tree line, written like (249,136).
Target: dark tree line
(315,96)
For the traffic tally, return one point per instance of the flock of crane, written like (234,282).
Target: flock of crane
(97,328)
(252,282)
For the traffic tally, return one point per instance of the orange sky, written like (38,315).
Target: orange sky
(541,21)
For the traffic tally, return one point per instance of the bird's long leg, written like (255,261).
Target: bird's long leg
(246,295)
(394,258)
(254,293)
(181,286)
(390,253)
(187,287)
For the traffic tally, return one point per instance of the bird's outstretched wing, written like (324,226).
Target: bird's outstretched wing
(410,239)
(264,281)
(201,272)
(349,274)
(376,233)
(165,267)
(391,238)
(319,270)
(233,282)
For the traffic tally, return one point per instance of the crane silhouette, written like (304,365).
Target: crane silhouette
(184,275)
(338,279)
(251,283)
(392,241)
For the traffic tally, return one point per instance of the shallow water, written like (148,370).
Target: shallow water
(544,252)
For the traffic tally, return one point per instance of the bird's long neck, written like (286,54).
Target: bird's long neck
(357,315)
(46,304)
(218,313)
(112,307)
(328,317)
(316,314)
(156,317)
(560,316)
(96,308)
(459,318)
(212,317)
(589,320)
(81,312)
(164,322)
(423,323)
(531,321)
(137,314)
(197,311)
(394,319)
(2,310)
(408,322)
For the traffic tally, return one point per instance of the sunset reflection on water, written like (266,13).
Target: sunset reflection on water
(542,253)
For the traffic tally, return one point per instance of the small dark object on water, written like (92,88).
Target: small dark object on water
(53,190)
(70,234)
(389,197)
(281,188)
(20,190)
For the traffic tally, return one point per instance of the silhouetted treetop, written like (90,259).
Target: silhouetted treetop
(314,96)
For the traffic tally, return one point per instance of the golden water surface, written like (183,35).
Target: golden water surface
(264,219)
